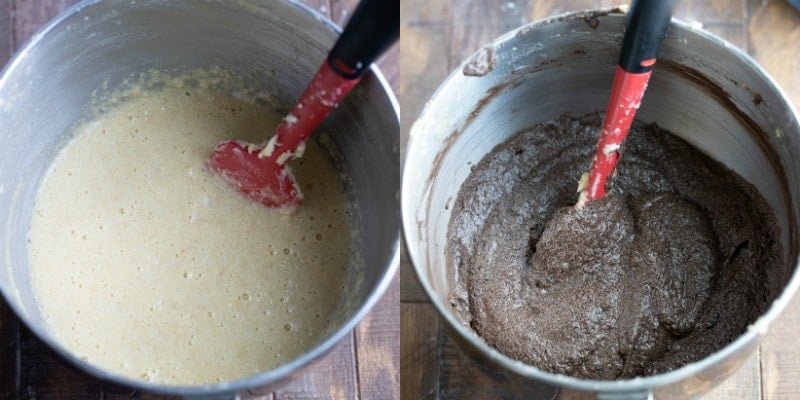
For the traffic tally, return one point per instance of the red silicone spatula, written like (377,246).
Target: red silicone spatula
(260,172)
(647,24)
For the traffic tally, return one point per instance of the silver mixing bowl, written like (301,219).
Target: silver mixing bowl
(703,89)
(48,86)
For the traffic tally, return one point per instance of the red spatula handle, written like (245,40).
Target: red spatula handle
(374,26)
(626,95)
(646,26)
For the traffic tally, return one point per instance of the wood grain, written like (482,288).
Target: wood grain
(378,351)
(410,289)
(460,377)
(28,369)
(334,378)
(768,29)
(420,351)
(780,356)
(30,15)
(6,31)
(542,9)
(774,33)
(475,27)
(712,11)
(744,384)
(736,34)
(425,32)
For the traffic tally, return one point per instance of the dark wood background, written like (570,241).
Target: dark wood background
(363,366)
(437,35)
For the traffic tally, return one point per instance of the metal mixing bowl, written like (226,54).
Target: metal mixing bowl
(48,86)
(703,89)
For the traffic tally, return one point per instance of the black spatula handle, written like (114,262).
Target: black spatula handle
(374,26)
(647,24)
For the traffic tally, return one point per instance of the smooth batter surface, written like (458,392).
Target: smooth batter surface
(144,264)
(671,266)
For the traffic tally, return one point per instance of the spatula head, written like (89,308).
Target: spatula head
(259,179)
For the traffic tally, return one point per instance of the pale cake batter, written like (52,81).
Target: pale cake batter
(144,265)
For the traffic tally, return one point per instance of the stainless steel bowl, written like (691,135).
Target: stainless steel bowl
(703,89)
(48,86)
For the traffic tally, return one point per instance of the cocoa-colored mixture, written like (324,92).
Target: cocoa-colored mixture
(674,264)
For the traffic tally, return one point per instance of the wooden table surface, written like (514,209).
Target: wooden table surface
(436,35)
(363,366)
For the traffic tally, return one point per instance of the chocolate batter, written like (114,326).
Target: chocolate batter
(672,265)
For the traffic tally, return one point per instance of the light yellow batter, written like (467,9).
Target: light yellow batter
(144,264)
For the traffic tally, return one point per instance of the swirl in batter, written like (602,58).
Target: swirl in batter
(674,264)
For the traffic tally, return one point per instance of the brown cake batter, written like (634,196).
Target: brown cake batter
(674,264)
